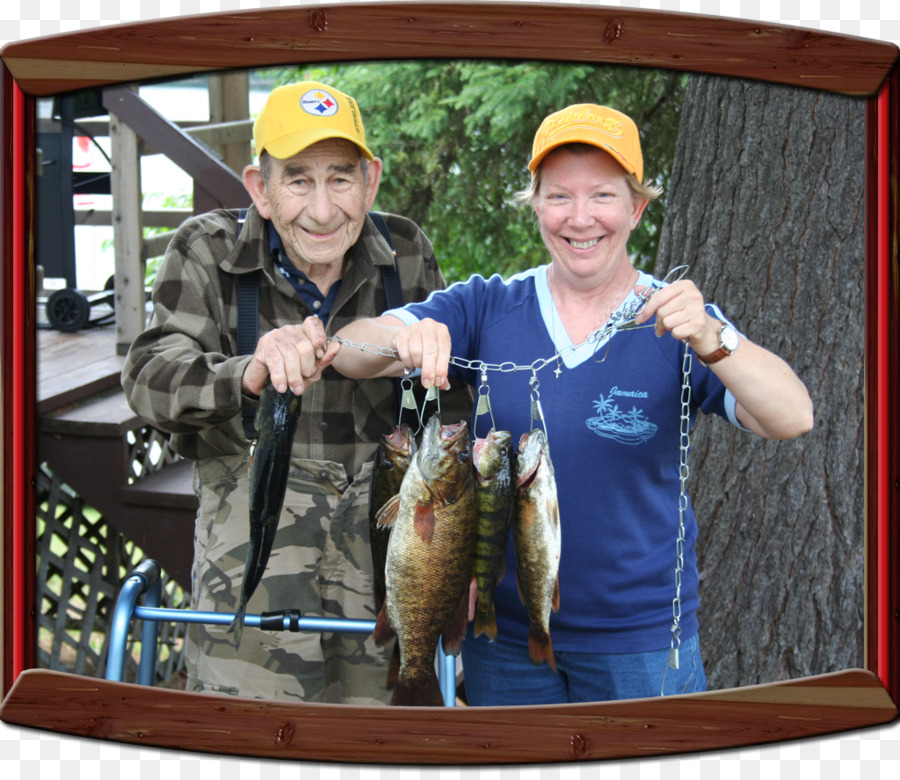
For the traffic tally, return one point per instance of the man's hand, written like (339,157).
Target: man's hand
(293,356)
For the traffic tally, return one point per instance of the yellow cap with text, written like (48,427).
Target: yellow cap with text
(298,115)
(586,123)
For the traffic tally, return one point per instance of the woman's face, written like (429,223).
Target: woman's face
(586,212)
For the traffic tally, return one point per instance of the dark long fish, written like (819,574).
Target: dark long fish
(392,460)
(430,560)
(495,484)
(276,422)
(537,540)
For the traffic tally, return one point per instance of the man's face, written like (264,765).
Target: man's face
(317,200)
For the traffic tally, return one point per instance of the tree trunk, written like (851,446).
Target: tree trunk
(767,208)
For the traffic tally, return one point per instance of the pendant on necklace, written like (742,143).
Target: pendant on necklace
(557,370)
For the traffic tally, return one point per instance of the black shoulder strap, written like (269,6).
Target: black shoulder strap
(393,289)
(390,275)
(247,326)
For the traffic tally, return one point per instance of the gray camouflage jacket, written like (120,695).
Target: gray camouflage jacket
(182,374)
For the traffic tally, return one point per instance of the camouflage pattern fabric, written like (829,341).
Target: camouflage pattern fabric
(320,564)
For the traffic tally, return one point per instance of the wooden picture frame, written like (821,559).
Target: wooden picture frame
(134,714)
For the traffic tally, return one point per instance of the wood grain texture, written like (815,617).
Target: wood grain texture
(140,715)
(636,37)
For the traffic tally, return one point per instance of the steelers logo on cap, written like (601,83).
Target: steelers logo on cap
(319,103)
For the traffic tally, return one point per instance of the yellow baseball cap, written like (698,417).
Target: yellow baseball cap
(606,128)
(298,115)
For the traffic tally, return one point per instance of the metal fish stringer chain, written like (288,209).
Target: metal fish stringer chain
(621,320)
(683,474)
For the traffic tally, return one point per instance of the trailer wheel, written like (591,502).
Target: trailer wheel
(68,310)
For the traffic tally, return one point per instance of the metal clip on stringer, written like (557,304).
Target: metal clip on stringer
(432,394)
(483,406)
(407,398)
(537,413)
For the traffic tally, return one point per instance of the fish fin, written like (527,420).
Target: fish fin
(394,667)
(527,514)
(540,649)
(420,691)
(455,631)
(486,620)
(423,521)
(387,515)
(384,631)
(521,590)
(554,602)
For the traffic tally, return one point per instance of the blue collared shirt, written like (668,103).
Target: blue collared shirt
(308,291)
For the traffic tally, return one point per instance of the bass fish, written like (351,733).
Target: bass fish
(537,541)
(276,422)
(429,560)
(392,460)
(493,458)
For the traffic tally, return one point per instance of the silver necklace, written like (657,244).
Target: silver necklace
(631,276)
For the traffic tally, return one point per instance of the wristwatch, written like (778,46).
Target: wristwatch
(728,343)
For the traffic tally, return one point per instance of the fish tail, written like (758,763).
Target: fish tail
(384,632)
(394,668)
(419,691)
(455,630)
(540,649)
(485,620)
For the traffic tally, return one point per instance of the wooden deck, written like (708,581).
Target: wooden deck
(74,366)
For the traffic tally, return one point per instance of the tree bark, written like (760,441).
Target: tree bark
(767,208)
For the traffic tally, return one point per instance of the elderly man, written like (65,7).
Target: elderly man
(316,255)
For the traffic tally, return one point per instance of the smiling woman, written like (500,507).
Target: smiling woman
(801,708)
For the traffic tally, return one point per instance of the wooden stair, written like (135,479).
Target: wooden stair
(84,424)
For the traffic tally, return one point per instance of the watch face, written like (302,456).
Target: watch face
(729,338)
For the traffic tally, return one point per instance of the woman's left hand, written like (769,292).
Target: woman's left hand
(679,309)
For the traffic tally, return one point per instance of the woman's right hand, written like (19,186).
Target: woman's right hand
(425,345)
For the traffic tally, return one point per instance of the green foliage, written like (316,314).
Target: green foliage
(164,201)
(456,136)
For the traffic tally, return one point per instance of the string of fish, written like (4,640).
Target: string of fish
(622,320)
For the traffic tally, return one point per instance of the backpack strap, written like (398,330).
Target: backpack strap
(247,326)
(390,275)
(393,289)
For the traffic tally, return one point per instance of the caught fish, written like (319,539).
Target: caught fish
(391,463)
(494,464)
(537,541)
(429,560)
(276,421)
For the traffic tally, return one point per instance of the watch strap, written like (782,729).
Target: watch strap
(721,352)
(714,357)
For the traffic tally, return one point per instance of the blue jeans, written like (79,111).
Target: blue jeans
(501,673)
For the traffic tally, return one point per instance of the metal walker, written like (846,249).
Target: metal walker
(144,581)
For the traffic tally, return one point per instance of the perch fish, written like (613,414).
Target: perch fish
(537,537)
(493,457)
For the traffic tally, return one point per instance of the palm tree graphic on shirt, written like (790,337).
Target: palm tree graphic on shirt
(630,427)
